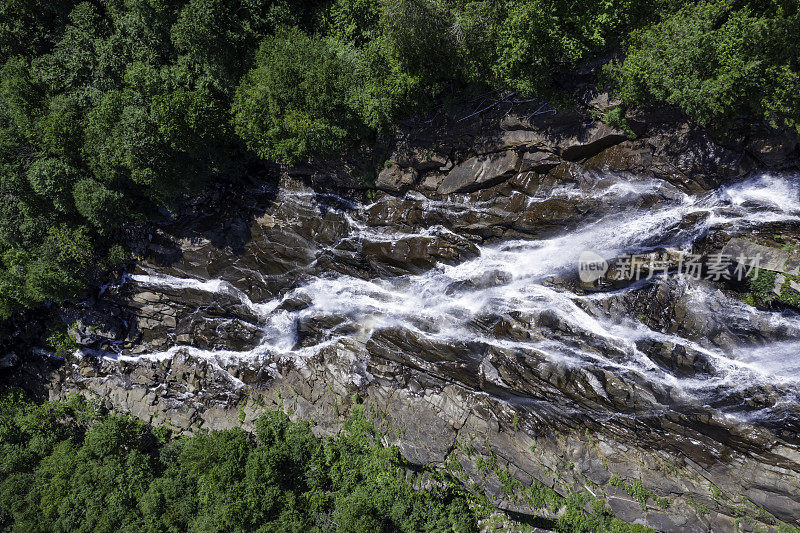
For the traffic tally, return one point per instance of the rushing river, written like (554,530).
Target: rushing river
(738,351)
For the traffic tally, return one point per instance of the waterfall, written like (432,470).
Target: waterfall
(452,302)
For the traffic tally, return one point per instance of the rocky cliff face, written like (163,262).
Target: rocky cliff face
(444,293)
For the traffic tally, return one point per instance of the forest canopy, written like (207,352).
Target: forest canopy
(113,110)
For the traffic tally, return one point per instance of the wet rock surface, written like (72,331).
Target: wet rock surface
(448,299)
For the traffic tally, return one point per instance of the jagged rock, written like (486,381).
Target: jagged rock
(539,161)
(561,134)
(420,158)
(602,102)
(9,361)
(419,253)
(680,360)
(480,171)
(542,217)
(433,180)
(775,152)
(689,158)
(395,178)
(522,139)
(634,156)
(760,256)
(492,278)
(590,141)
(548,123)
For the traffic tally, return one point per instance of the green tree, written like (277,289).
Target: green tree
(716,59)
(52,179)
(294,103)
(538,40)
(355,21)
(66,467)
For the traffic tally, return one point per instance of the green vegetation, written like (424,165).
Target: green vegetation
(66,466)
(635,489)
(788,295)
(616,117)
(540,496)
(314,95)
(717,493)
(716,59)
(60,341)
(70,466)
(572,512)
(761,283)
(701,509)
(576,520)
(112,111)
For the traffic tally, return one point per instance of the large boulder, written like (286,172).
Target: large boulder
(775,152)
(539,161)
(396,179)
(417,253)
(760,256)
(480,172)
(564,134)
(590,140)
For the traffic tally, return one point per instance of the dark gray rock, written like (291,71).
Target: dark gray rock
(396,179)
(480,172)
(480,399)
(760,256)
(539,161)
(9,361)
(589,141)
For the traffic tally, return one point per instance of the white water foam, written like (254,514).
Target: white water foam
(440,304)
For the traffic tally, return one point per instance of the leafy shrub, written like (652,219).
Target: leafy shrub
(98,204)
(537,40)
(61,343)
(616,118)
(294,102)
(761,282)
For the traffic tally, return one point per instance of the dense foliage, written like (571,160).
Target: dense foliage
(111,110)
(66,467)
(719,58)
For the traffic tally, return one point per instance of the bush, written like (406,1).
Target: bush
(98,204)
(538,40)
(52,179)
(354,21)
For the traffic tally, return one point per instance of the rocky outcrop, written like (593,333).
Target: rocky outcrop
(760,256)
(480,172)
(396,179)
(679,480)
(447,300)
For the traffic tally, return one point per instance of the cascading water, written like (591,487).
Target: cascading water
(531,280)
